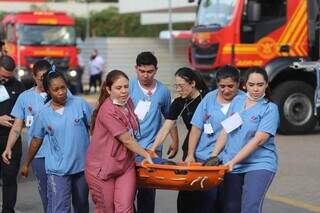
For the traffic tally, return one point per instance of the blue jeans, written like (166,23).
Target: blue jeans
(61,189)
(38,167)
(146,200)
(245,192)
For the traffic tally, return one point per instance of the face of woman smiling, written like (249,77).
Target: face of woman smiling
(119,90)
(256,85)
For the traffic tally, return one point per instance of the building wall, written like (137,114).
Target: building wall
(120,53)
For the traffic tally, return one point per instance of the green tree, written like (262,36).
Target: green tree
(110,23)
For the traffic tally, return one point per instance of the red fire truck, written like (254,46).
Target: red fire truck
(30,36)
(268,33)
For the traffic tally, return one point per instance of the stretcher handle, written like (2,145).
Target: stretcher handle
(144,164)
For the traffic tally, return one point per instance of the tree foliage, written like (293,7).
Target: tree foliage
(109,23)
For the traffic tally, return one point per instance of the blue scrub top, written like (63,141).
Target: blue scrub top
(208,112)
(152,122)
(262,117)
(29,103)
(68,137)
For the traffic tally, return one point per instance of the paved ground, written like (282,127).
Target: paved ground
(296,188)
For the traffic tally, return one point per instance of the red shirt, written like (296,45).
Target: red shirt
(107,157)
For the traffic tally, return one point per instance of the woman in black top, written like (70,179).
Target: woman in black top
(191,89)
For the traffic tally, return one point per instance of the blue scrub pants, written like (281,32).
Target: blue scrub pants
(38,167)
(245,192)
(146,200)
(61,189)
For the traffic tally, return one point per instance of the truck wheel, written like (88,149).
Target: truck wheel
(295,102)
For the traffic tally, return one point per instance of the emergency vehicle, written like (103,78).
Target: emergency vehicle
(30,36)
(269,33)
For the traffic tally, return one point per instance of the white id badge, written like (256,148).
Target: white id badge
(4,95)
(142,109)
(231,123)
(208,128)
(29,120)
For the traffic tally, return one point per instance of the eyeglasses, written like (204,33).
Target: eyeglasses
(179,86)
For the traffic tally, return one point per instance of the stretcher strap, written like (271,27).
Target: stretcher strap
(201,179)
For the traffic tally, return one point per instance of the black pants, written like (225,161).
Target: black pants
(9,175)
(95,80)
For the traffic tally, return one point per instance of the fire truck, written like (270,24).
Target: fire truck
(269,33)
(30,36)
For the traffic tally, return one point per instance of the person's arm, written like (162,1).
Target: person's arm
(220,143)
(194,136)
(258,139)
(33,149)
(162,134)
(173,148)
(14,134)
(133,145)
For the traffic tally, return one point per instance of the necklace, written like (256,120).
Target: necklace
(185,106)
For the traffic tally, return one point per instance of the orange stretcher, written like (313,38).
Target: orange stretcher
(179,177)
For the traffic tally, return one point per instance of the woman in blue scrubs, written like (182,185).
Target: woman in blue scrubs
(205,130)
(249,146)
(64,121)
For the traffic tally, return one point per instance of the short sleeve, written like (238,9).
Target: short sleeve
(37,129)
(18,108)
(166,103)
(175,109)
(198,117)
(113,123)
(270,120)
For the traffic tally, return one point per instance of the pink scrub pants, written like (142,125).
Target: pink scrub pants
(115,195)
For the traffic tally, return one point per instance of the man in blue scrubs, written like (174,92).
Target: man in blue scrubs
(151,101)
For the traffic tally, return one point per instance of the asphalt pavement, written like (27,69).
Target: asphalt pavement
(295,189)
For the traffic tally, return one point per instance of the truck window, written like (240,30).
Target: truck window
(46,35)
(215,12)
(10,33)
(261,17)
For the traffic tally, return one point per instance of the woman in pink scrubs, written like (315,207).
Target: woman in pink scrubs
(109,169)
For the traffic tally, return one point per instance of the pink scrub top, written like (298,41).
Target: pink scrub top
(107,157)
